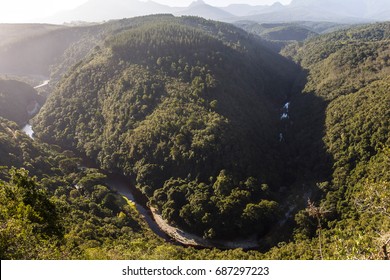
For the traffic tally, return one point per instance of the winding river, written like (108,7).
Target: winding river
(44,83)
(156,223)
(121,184)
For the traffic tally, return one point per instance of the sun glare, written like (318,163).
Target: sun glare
(27,10)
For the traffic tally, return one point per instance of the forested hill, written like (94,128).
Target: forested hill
(348,76)
(190,109)
(18,101)
(345,61)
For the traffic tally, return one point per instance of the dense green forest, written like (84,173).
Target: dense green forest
(190,111)
(348,76)
(51,208)
(161,102)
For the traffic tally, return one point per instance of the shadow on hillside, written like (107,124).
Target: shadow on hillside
(303,148)
(306,162)
(307,151)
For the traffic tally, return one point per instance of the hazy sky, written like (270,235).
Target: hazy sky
(22,10)
(221,3)
(25,10)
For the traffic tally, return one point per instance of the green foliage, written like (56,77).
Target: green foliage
(70,213)
(190,109)
(221,209)
(176,98)
(349,70)
(17,149)
(343,62)
(357,133)
(81,224)
(26,210)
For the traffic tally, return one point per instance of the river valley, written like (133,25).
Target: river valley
(152,217)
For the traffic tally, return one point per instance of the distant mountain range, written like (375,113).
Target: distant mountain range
(200,8)
(346,11)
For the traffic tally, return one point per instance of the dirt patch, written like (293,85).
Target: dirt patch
(190,239)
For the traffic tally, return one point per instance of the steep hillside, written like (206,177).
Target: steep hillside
(348,75)
(18,101)
(225,138)
(183,105)
(35,53)
(38,51)
(343,62)
(14,146)
(10,33)
(52,208)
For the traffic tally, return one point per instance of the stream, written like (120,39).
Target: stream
(28,130)
(154,220)
(44,83)
(123,186)
(116,182)
(283,118)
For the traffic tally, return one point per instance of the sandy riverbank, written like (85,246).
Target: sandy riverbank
(189,239)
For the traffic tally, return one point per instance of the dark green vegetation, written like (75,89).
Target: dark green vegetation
(18,101)
(348,76)
(68,212)
(190,110)
(164,101)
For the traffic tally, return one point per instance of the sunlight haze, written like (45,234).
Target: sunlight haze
(26,10)
(221,3)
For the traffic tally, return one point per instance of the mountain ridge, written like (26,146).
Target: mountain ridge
(298,10)
(200,8)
